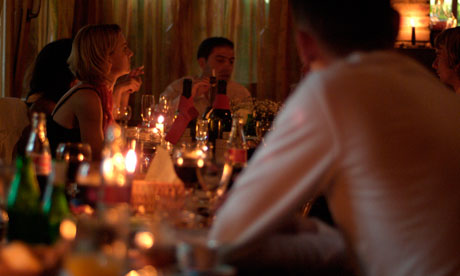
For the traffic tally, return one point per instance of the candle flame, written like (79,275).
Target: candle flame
(412,22)
(161,119)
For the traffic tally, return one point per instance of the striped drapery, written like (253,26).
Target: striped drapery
(165,34)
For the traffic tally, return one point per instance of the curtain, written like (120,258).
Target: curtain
(165,34)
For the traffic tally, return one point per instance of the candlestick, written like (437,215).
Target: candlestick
(412,22)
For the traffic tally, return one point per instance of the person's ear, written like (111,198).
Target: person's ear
(202,62)
(307,48)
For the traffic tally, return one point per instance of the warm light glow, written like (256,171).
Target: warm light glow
(107,168)
(144,240)
(267,2)
(180,161)
(412,22)
(132,273)
(161,119)
(68,229)
(155,130)
(200,163)
(80,157)
(131,161)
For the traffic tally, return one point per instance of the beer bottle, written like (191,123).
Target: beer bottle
(236,149)
(25,217)
(38,149)
(55,205)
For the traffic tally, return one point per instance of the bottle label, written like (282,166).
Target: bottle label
(221,102)
(237,155)
(42,163)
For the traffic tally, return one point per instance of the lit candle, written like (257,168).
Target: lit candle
(412,23)
(159,125)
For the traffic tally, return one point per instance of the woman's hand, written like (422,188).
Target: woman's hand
(127,85)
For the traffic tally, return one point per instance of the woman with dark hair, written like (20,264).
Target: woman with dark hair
(51,76)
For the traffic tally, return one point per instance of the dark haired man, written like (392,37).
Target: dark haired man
(214,54)
(371,129)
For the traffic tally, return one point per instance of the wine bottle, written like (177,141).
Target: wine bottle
(220,122)
(183,127)
(38,149)
(212,93)
(55,206)
(236,149)
(26,222)
(189,133)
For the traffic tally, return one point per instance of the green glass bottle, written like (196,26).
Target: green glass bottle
(25,217)
(55,205)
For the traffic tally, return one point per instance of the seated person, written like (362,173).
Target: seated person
(99,56)
(51,77)
(447,62)
(214,53)
(373,131)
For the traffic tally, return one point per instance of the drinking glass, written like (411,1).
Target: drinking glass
(148,109)
(204,179)
(122,115)
(73,154)
(88,184)
(6,176)
(201,133)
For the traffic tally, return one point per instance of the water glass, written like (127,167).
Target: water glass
(147,109)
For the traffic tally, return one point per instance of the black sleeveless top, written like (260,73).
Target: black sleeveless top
(59,134)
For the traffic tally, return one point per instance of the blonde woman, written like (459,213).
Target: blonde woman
(447,61)
(100,55)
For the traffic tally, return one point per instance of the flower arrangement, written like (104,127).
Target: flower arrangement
(260,109)
(265,110)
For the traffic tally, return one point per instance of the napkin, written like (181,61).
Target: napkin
(161,169)
(187,112)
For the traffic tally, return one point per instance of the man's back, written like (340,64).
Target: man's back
(395,192)
(381,137)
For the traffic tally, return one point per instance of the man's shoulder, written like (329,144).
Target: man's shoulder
(175,87)
(237,89)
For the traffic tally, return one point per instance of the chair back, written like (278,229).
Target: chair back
(14,117)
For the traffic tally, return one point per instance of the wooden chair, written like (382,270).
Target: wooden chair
(14,118)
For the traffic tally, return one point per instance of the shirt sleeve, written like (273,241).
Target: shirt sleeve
(173,92)
(295,163)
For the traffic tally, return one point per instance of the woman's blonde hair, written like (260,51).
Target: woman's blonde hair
(450,40)
(91,48)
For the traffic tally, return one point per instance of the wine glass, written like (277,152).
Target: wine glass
(88,181)
(122,115)
(148,109)
(204,179)
(73,154)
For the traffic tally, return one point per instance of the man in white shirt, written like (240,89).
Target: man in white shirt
(214,54)
(375,132)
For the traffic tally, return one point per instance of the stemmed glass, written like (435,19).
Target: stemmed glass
(73,154)
(148,109)
(204,179)
(122,115)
